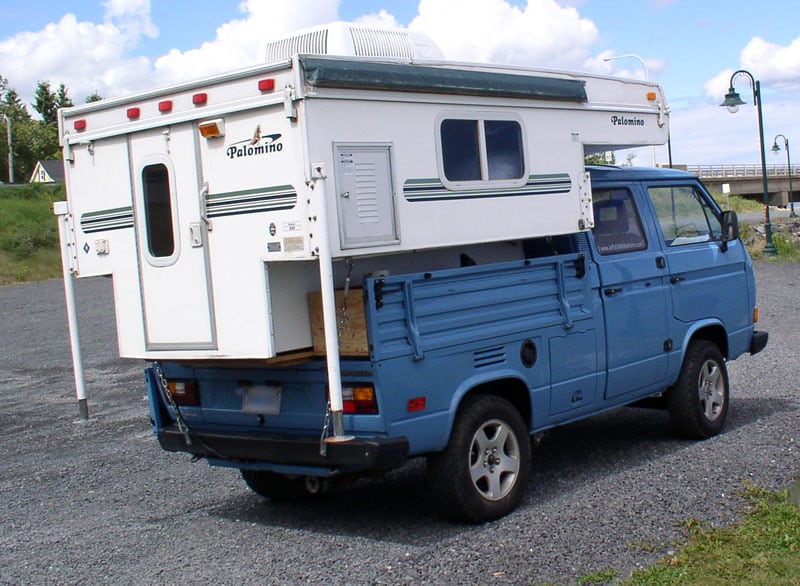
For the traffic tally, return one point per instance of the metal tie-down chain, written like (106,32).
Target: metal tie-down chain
(344,322)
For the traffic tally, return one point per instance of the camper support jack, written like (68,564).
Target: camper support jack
(323,252)
(66,233)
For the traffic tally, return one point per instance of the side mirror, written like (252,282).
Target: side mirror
(730,228)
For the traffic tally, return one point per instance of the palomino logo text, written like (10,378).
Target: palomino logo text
(258,145)
(622,121)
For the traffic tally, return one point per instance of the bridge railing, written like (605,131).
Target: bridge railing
(742,171)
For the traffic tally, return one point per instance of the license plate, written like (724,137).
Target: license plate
(262,399)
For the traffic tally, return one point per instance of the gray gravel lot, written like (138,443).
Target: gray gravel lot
(98,502)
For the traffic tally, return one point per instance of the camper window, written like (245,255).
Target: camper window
(481,150)
(158,210)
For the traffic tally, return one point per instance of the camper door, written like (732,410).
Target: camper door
(172,240)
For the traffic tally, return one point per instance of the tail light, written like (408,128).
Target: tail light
(185,393)
(359,398)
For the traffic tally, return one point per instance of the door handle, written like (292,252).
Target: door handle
(609,291)
(676,279)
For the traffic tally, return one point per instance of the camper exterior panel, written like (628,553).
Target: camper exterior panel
(544,197)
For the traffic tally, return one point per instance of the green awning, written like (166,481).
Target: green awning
(371,75)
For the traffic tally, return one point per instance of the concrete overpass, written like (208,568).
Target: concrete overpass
(747,181)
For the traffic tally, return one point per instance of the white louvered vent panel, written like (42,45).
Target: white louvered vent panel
(312,42)
(382,43)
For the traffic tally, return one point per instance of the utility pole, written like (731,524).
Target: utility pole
(10,150)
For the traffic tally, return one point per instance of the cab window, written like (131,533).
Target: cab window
(684,215)
(617,226)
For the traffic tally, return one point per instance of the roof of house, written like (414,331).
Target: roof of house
(54,168)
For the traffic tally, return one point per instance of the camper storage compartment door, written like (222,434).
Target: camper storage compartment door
(365,195)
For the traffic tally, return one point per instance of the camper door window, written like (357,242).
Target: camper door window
(158,210)
(479,149)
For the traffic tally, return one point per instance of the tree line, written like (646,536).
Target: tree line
(31,139)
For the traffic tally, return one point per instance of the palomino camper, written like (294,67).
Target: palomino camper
(335,263)
(212,202)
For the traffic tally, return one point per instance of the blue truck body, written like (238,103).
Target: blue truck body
(579,324)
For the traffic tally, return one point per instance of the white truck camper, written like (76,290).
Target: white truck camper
(221,206)
(211,203)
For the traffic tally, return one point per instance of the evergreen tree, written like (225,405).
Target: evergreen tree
(62,99)
(45,102)
(94,97)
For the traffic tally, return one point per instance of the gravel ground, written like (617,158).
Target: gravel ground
(98,502)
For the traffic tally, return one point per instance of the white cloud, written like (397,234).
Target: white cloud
(542,34)
(85,56)
(776,67)
(240,43)
(382,19)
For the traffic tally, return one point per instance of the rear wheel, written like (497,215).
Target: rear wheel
(698,403)
(482,473)
(276,487)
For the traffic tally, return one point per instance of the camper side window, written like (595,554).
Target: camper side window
(158,210)
(481,150)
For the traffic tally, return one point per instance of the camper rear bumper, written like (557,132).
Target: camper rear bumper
(356,454)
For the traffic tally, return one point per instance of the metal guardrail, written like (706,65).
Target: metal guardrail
(741,171)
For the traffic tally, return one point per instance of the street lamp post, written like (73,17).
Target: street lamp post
(732,102)
(776,149)
(10,150)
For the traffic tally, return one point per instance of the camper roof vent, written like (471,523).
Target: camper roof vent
(349,39)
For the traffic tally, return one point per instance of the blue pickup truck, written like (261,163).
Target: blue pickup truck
(466,363)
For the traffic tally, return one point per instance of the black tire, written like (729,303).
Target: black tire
(482,473)
(276,487)
(698,403)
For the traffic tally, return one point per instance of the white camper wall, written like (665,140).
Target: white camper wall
(454,214)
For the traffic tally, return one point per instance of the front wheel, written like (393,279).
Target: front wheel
(482,473)
(698,403)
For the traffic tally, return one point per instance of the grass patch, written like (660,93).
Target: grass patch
(29,248)
(763,548)
(739,204)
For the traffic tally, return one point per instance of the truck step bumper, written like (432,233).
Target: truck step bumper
(758,342)
(356,454)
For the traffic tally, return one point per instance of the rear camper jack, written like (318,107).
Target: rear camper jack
(325,259)
(66,236)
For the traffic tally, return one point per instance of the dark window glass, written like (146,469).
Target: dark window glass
(158,210)
(617,227)
(504,149)
(460,150)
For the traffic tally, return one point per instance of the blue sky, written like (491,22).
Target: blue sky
(691,48)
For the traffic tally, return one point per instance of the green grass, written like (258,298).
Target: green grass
(738,203)
(29,249)
(762,548)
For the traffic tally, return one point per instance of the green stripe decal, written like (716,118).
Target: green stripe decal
(251,201)
(433,190)
(104,220)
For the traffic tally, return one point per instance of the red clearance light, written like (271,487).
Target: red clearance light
(266,85)
(165,106)
(199,99)
(79,125)
(416,404)
(186,393)
(134,113)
